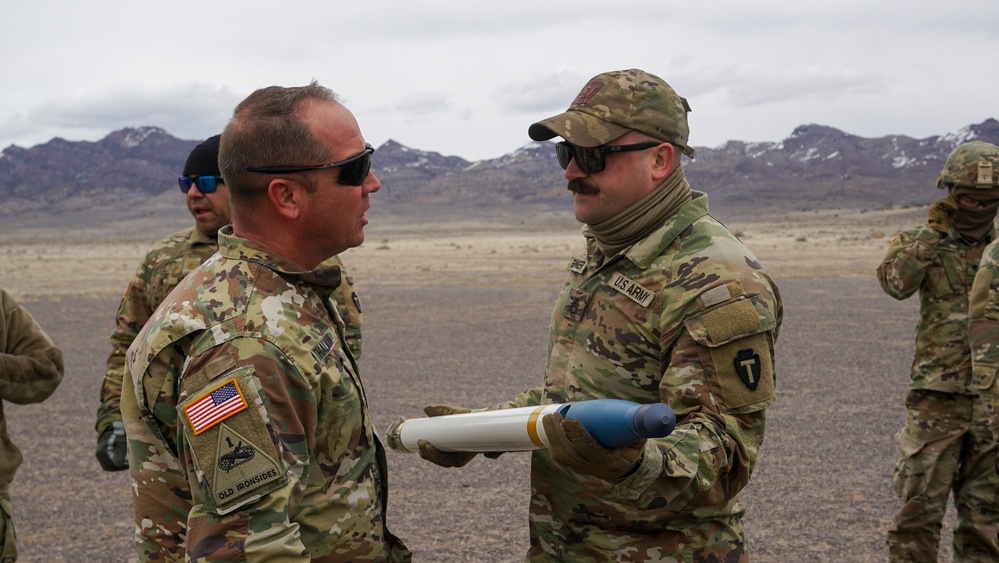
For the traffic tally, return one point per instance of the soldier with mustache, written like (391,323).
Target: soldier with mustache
(665,305)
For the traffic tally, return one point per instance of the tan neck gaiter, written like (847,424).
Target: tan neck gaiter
(647,214)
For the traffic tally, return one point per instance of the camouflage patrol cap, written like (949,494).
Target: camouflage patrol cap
(613,103)
(971,165)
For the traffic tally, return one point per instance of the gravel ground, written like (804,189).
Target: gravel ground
(821,491)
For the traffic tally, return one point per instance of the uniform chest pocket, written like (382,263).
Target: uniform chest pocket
(947,274)
(340,428)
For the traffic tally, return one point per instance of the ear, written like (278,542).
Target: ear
(663,165)
(286,197)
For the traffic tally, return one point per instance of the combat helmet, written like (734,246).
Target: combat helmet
(972,165)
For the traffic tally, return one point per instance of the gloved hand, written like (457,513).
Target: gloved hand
(432,454)
(447,459)
(112,449)
(571,446)
(941,215)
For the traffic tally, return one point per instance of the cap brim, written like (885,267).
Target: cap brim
(578,128)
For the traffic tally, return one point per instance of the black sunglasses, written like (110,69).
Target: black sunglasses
(353,171)
(591,159)
(206,184)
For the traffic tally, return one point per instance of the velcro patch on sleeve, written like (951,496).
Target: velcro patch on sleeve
(241,469)
(721,294)
(236,456)
(745,373)
(218,404)
(730,321)
(738,339)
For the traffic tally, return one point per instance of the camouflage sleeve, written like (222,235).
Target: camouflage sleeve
(133,312)
(904,266)
(983,333)
(248,471)
(160,496)
(719,379)
(31,366)
(529,398)
(349,306)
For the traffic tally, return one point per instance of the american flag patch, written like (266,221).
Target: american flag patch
(215,406)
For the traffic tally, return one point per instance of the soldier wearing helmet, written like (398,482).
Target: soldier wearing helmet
(969,176)
(946,443)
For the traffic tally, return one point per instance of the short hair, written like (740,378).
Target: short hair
(266,129)
(677,149)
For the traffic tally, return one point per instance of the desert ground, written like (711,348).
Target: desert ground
(457,312)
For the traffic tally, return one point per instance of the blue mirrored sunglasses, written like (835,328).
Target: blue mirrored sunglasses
(206,184)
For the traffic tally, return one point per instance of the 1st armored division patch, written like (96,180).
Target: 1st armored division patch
(241,469)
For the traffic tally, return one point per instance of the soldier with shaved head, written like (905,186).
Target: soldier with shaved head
(166,263)
(241,378)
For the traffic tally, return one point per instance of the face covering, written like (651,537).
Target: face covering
(974,224)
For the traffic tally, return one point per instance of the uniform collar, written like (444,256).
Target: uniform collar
(326,275)
(197,238)
(651,247)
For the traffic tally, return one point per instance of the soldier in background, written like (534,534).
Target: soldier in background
(241,379)
(31,367)
(666,305)
(946,444)
(164,266)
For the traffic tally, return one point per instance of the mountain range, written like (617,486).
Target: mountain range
(814,167)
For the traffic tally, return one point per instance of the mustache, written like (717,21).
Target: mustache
(580,187)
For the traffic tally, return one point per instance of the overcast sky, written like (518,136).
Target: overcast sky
(466,78)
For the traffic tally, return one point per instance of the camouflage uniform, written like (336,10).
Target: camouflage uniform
(293,469)
(983,325)
(688,317)
(945,442)
(31,368)
(164,267)
(983,334)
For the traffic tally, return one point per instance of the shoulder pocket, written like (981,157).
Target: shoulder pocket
(234,454)
(739,337)
(983,338)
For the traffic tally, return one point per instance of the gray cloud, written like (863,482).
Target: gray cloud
(190,110)
(423,104)
(541,92)
(467,78)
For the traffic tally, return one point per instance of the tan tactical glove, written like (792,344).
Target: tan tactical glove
(447,459)
(571,446)
(432,454)
(942,214)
